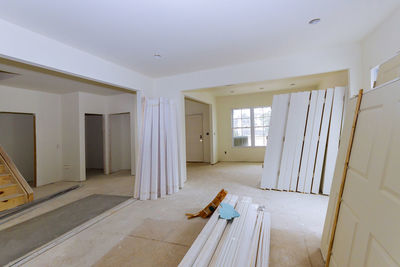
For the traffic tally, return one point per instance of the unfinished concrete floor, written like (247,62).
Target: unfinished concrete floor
(156,233)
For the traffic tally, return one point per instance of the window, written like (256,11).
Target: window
(262,116)
(250,126)
(241,126)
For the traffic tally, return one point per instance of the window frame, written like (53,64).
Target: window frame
(233,128)
(252,127)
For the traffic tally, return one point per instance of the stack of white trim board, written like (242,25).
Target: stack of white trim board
(242,241)
(303,141)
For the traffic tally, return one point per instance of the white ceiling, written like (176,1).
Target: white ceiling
(32,78)
(197,34)
(309,82)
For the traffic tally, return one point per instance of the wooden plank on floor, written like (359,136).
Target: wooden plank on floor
(203,237)
(334,137)
(322,141)
(314,141)
(307,154)
(205,256)
(293,143)
(273,152)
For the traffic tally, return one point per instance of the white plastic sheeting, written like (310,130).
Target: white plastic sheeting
(158,173)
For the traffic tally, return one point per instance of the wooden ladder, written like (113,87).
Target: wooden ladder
(14,190)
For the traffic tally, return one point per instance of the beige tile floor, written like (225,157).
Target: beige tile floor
(156,233)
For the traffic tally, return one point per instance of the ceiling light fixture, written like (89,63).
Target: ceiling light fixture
(314,21)
(157,55)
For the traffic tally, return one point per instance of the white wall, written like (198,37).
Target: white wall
(346,57)
(196,108)
(47,109)
(120,142)
(127,103)
(26,46)
(76,106)
(60,127)
(71,160)
(23,45)
(94,141)
(380,45)
(17,139)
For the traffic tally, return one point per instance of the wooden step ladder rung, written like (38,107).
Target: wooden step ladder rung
(9,189)
(2,168)
(5,179)
(14,189)
(11,201)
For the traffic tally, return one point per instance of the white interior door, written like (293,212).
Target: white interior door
(368,230)
(194,138)
(291,154)
(273,153)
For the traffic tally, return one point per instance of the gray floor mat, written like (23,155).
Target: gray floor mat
(22,238)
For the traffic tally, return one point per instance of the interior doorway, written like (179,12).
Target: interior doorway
(194,138)
(198,131)
(94,144)
(18,138)
(120,142)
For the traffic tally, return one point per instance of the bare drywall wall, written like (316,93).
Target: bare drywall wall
(380,45)
(24,45)
(94,139)
(127,103)
(70,137)
(75,106)
(17,138)
(120,142)
(196,108)
(47,110)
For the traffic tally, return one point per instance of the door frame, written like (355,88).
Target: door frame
(210,126)
(34,142)
(104,138)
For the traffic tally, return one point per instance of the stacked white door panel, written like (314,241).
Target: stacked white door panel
(319,163)
(273,151)
(301,121)
(307,148)
(334,137)
(293,144)
(309,168)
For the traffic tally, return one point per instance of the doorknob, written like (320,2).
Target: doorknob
(201,138)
